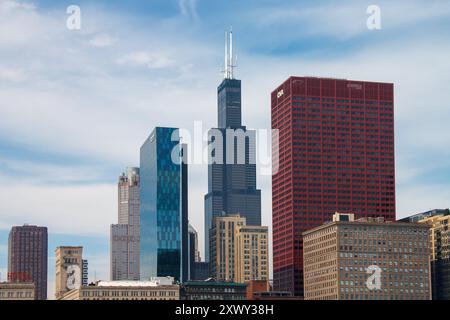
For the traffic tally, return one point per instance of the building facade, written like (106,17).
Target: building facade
(232,159)
(28,257)
(125,290)
(213,290)
(11,291)
(69,269)
(252,254)
(223,246)
(164,216)
(125,236)
(85,273)
(366,259)
(239,253)
(438,221)
(335,152)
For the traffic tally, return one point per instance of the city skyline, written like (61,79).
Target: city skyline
(37,161)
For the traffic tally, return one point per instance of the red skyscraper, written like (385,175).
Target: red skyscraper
(336,153)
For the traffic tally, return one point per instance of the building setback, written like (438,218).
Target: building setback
(164,216)
(28,256)
(125,238)
(343,258)
(335,153)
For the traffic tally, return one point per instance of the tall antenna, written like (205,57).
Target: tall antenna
(229,64)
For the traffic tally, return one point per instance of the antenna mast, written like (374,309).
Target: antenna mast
(229,64)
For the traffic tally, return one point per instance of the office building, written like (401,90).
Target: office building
(126,290)
(252,254)
(438,221)
(28,256)
(125,238)
(335,152)
(11,291)
(367,259)
(256,287)
(232,158)
(69,269)
(164,216)
(223,246)
(201,271)
(213,290)
(239,253)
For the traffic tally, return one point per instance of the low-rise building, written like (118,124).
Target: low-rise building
(16,291)
(366,259)
(213,290)
(155,289)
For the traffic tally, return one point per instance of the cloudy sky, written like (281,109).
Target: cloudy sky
(76,105)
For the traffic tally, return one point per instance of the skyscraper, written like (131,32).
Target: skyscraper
(27,257)
(336,153)
(232,154)
(125,239)
(164,216)
(69,269)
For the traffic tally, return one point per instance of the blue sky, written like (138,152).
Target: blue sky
(76,105)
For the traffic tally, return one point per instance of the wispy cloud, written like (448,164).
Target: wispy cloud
(146,59)
(102,40)
(12,74)
(188,8)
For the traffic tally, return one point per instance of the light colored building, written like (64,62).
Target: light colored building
(16,291)
(222,246)
(439,222)
(125,238)
(238,252)
(69,269)
(155,289)
(366,259)
(252,254)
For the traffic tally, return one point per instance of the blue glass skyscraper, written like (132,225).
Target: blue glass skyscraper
(231,184)
(164,218)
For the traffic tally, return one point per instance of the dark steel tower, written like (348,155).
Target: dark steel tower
(232,165)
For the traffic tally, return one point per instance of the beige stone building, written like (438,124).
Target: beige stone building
(438,221)
(69,266)
(16,291)
(238,253)
(222,246)
(126,290)
(366,259)
(252,254)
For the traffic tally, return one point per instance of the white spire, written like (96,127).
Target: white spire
(229,63)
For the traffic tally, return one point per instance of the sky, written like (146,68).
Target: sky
(76,105)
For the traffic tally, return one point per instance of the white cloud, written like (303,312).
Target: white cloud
(346,20)
(102,40)
(147,59)
(12,74)
(188,8)
(83,209)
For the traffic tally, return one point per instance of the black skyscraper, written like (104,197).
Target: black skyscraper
(231,184)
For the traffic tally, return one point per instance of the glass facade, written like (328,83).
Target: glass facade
(163,206)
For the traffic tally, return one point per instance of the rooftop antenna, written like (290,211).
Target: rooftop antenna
(229,64)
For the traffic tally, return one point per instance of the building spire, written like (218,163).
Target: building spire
(229,59)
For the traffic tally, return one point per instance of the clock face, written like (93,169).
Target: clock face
(73,277)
